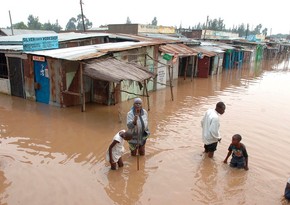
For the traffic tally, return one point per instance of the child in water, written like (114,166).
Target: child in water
(287,190)
(239,153)
(116,149)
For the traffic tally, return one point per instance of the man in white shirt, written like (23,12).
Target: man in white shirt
(210,128)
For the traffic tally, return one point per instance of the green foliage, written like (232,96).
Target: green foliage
(242,30)
(128,21)
(71,24)
(154,21)
(51,27)
(87,23)
(77,23)
(34,24)
(20,25)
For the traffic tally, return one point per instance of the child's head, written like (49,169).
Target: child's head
(236,139)
(126,135)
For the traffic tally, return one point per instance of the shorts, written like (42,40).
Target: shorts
(210,147)
(237,162)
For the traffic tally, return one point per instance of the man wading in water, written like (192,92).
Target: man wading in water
(210,128)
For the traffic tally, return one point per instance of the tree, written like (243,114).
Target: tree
(47,26)
(241,30)
(154,21)
(87,22)
(128,21)
(33,23)
(71,24)
(20,25)
(220,24)
(257,30)
(265,31)
(77,23)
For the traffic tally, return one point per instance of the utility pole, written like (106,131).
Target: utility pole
(205,28)
(11,23)
(247,31)
(81,3)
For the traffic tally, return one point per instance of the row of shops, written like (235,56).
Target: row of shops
(110,68)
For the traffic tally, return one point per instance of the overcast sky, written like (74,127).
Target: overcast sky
(275,15)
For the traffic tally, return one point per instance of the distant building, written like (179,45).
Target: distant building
(256,38)
(136,29)
(208,34)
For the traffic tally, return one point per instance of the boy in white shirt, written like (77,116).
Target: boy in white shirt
(210,128)
(116,149)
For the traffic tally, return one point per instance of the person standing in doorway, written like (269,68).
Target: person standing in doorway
(210,128)
(137,121)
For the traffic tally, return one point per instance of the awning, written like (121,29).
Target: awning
(113,70)
(204,52)
(177,49)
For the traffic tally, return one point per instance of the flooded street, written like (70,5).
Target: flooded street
(56,156)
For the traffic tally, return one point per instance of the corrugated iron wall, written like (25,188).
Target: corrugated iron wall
(56,76)
(29,78)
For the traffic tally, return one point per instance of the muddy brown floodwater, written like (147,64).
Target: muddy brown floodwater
(56,156)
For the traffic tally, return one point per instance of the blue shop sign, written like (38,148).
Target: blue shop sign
(40,43)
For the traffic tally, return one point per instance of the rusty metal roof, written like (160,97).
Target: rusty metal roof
(91,51)
(113,70)
(144,38)
(200,49)
(179,49)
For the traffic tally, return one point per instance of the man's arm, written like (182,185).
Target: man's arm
(131,120)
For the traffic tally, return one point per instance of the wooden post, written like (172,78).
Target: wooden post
(147,95)
(186,66)
(82,93)
(138,146)
(196,66)
(192,68)
(170,81)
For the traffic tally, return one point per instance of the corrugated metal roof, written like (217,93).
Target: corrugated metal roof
(113,70)
(17,40)
(172,38)
(225,47)
(213,49)
(144,38)
(199,49)
(11,48)
(8,32)
(90,51)
(180,49)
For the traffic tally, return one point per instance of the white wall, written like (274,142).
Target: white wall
(5,86)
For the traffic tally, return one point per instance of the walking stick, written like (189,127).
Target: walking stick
(137,147)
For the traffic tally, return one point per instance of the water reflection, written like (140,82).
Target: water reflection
(235,187)
(125,185)
(206,190)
